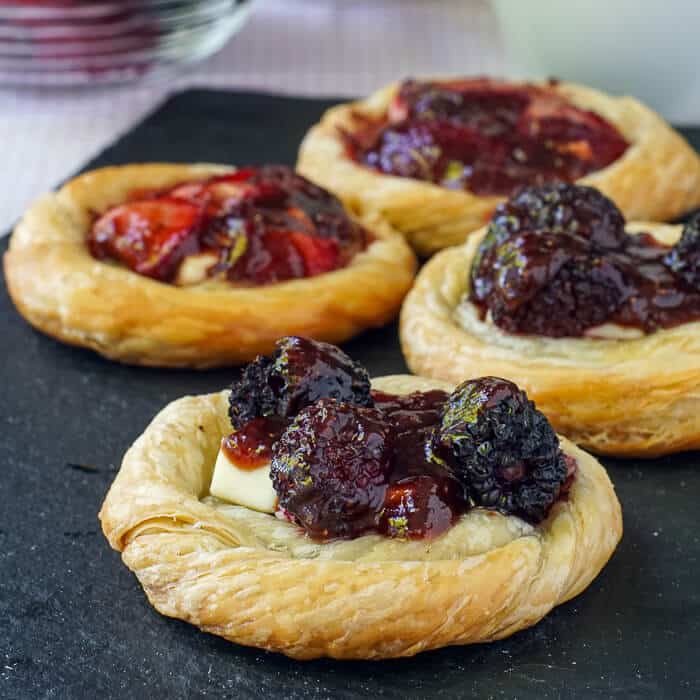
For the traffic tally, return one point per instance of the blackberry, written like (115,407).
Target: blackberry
(331,468)
(684,258)
(502,449)
(575,210)
(300,372)
(251,395)
(526,263)
(563,208)
(550,285)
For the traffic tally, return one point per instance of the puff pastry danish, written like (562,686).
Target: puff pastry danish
(436,157)
(201,265)
(258,580)
(601,326)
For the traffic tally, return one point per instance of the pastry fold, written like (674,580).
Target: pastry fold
(63,291)
(256,580)
(656,179)
(627,397)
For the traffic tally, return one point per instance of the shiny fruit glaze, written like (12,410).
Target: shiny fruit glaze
(346,460)
(484,136)
(263,225)
(344,470)
(250,447)
(556,261)
(150,237)
(423,498)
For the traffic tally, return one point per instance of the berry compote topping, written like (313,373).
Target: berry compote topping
(424,497)
(345,461)
(261,225)
(556,261)
(331,468)
(250,446)
(421,506)
(151,237)
(486,136)
(300,372)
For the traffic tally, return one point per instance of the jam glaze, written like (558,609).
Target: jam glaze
(485,136)
(563,284)
(251,447)
(263,225)
(422,499)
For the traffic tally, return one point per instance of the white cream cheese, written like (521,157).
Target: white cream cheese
(243,485)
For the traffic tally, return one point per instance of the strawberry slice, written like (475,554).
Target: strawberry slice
(320,254)
(151,237)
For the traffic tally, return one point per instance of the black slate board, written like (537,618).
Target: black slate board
(74,622)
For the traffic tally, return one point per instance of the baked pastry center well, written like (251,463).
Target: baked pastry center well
(254,226)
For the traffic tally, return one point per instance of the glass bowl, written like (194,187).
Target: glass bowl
(84,42)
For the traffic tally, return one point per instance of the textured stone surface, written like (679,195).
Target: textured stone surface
(74,622)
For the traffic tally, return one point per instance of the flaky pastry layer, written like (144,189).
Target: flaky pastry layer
(631,397)
(257,580)
(63,291)
(657,178)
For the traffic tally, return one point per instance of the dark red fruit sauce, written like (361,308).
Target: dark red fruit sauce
(251,446)
(629,286)
(485,136)
(264,225)
(557,262)
(421,498)
(653,296)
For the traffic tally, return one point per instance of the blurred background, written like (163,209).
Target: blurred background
(74,74)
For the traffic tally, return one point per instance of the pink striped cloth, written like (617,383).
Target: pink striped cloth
(311,47)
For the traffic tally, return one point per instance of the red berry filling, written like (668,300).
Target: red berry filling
(484,136)
(250,446)
(345,461)
(556,261)
(264,225)
(151,237)
(421,507)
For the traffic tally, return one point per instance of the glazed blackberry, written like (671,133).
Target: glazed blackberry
(684,258)
(582,213)
(300,372)
(251,395)
(331,468)
(541,277)
(562,208)
(526,263)
(502,449)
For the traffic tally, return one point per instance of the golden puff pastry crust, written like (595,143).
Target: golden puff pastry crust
(63,291)
(255,580)
(638,396)
(657,178)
